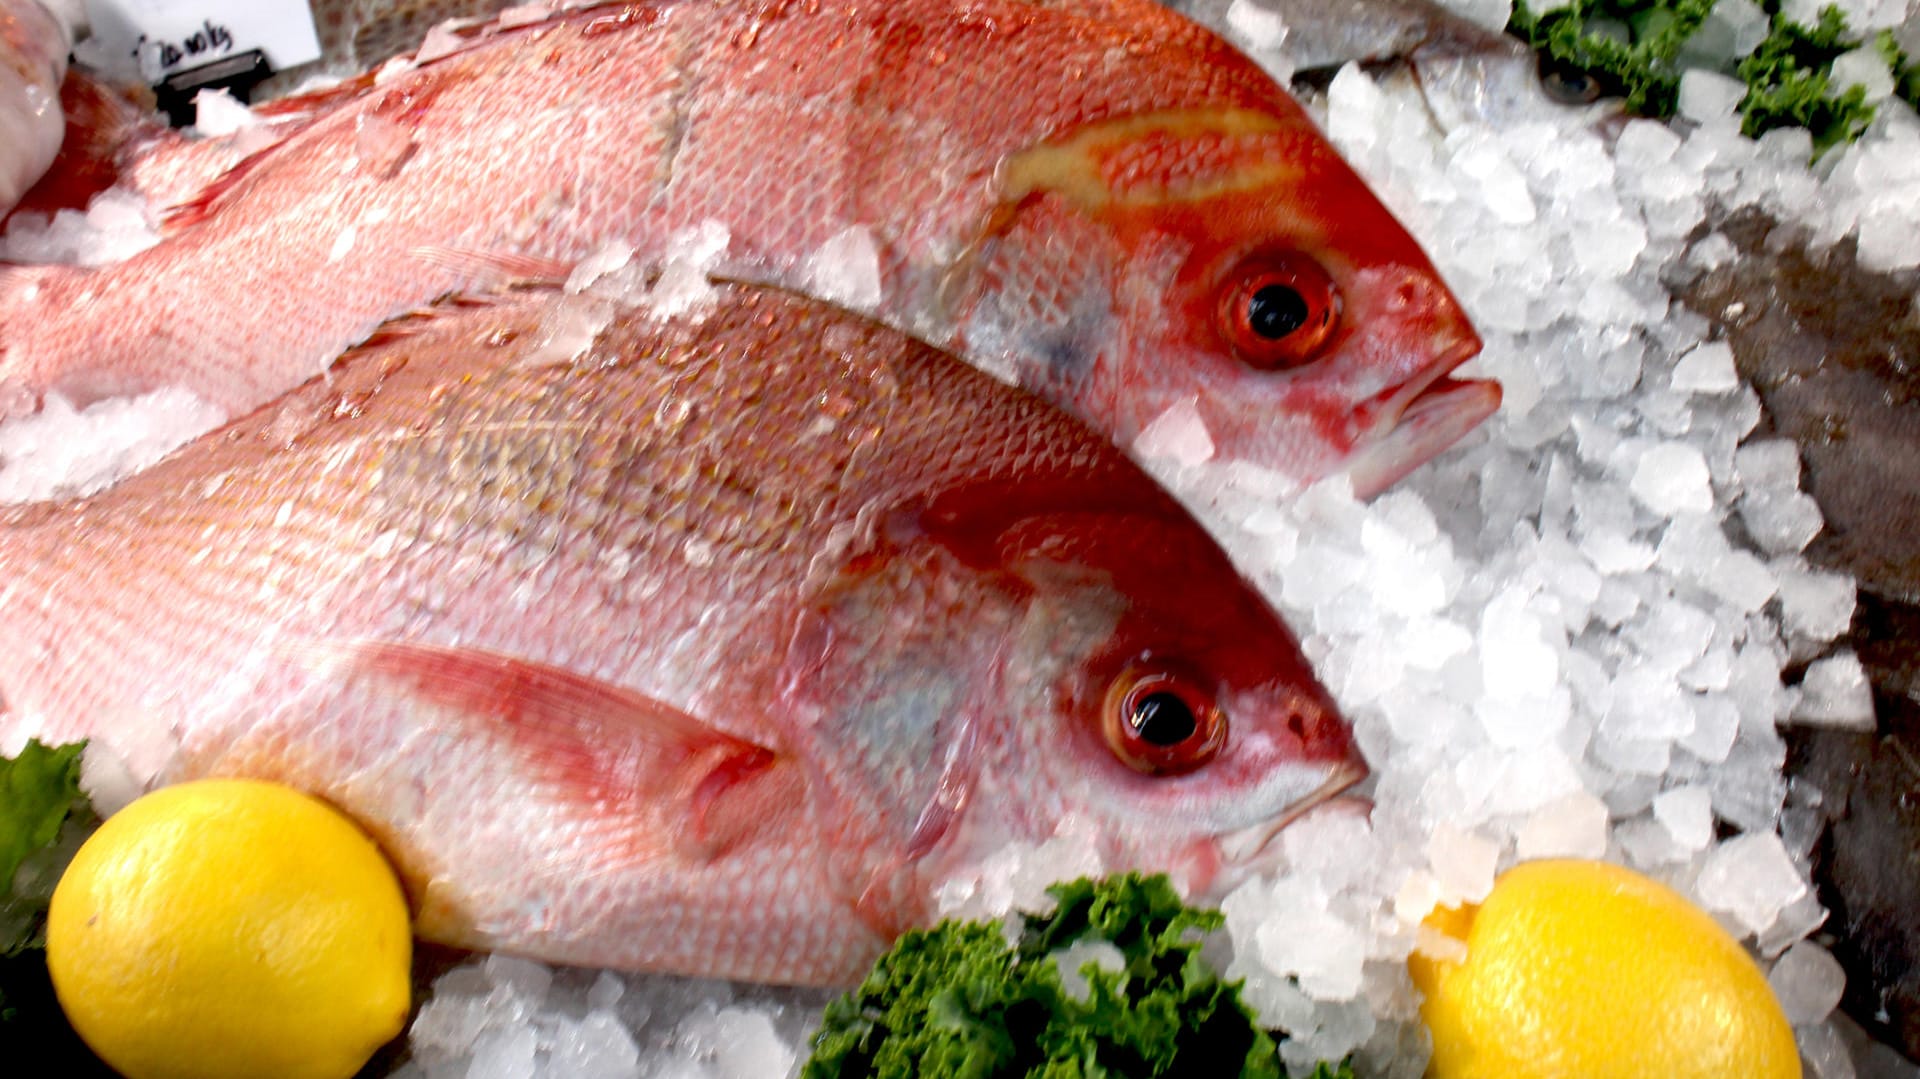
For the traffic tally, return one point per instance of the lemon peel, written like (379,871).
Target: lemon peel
(1578,968)
(231,928)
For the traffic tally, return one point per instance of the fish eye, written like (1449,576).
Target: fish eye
(1567,84)
(1278,311)
(1161,721)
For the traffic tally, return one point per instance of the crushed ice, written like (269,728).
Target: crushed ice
(1550,641)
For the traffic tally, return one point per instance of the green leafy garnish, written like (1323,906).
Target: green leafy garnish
(960,1001)
(1788,81)
(39,794)
(1636,48)
(39,790)
(1631,46)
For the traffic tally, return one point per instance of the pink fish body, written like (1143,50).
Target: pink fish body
(701,646)
(1101,201)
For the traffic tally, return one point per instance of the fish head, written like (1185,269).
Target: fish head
(1140,687)
(1228,260)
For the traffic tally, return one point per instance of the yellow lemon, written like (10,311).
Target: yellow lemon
(1584,969)
(231,928)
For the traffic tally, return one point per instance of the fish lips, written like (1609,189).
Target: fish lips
(1241,847)
(1416,421)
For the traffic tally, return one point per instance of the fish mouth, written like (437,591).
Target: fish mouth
(1420,419)
(1242,845)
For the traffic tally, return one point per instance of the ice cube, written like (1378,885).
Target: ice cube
(1751,878)
(1815,604)
(1672,477)
(1572,826)
(1256,28)
(1708,368)
(597,1047)
(1074,958)
(1835,693)
(1687,815)
(1463,863)
(1808,981)
(524,978)
(1706,97)
(846,270)
(1781,522)
(745,1044)
(504,1054)
(1825,1053)
(1863,67)
(1303,939)
(1179,433)
(217,113)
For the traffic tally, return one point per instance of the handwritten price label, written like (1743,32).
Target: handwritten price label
(152,39)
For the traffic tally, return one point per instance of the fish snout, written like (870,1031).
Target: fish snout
(1410,422)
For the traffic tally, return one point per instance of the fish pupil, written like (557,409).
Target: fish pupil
(1276,311)
(1163,719)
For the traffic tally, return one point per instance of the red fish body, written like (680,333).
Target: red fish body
(1101,201)
(706,645)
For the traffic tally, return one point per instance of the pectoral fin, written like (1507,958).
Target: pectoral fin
(621,752)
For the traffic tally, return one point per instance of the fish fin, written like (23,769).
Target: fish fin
(314,102)
(605,745)
(493,268)
(197,207)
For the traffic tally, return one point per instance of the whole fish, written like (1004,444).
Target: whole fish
(34,44)
(705,645)
(1100,200)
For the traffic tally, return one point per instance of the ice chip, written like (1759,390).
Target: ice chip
(1572,826)
(1835,693)
(1825,1052)
(1463,863)
(1751,878)
(1180,433)
(1863,67)
(597,1047)
(1814,604)
(1706,97)
(748,1047)
(1074,958)
(524,978)
(1781,523)
(1255,27)
(1672,477)
(1808,981)
(1686,813)
(504,1054)
(60,452)
(1708,368)
(1770,464)
(1301,938)
(846,270)
(217,113)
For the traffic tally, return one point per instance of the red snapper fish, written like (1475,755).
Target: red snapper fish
(1099,200)
(706,645)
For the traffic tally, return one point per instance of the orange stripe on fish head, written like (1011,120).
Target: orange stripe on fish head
(1229,256)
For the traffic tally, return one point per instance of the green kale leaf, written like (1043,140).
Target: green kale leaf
(962,1000)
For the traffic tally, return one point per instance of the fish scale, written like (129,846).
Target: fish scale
(791,125)
(452,589)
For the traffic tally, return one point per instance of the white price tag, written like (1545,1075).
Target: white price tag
(152,39)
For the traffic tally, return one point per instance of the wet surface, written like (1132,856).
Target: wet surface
(1834,351)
